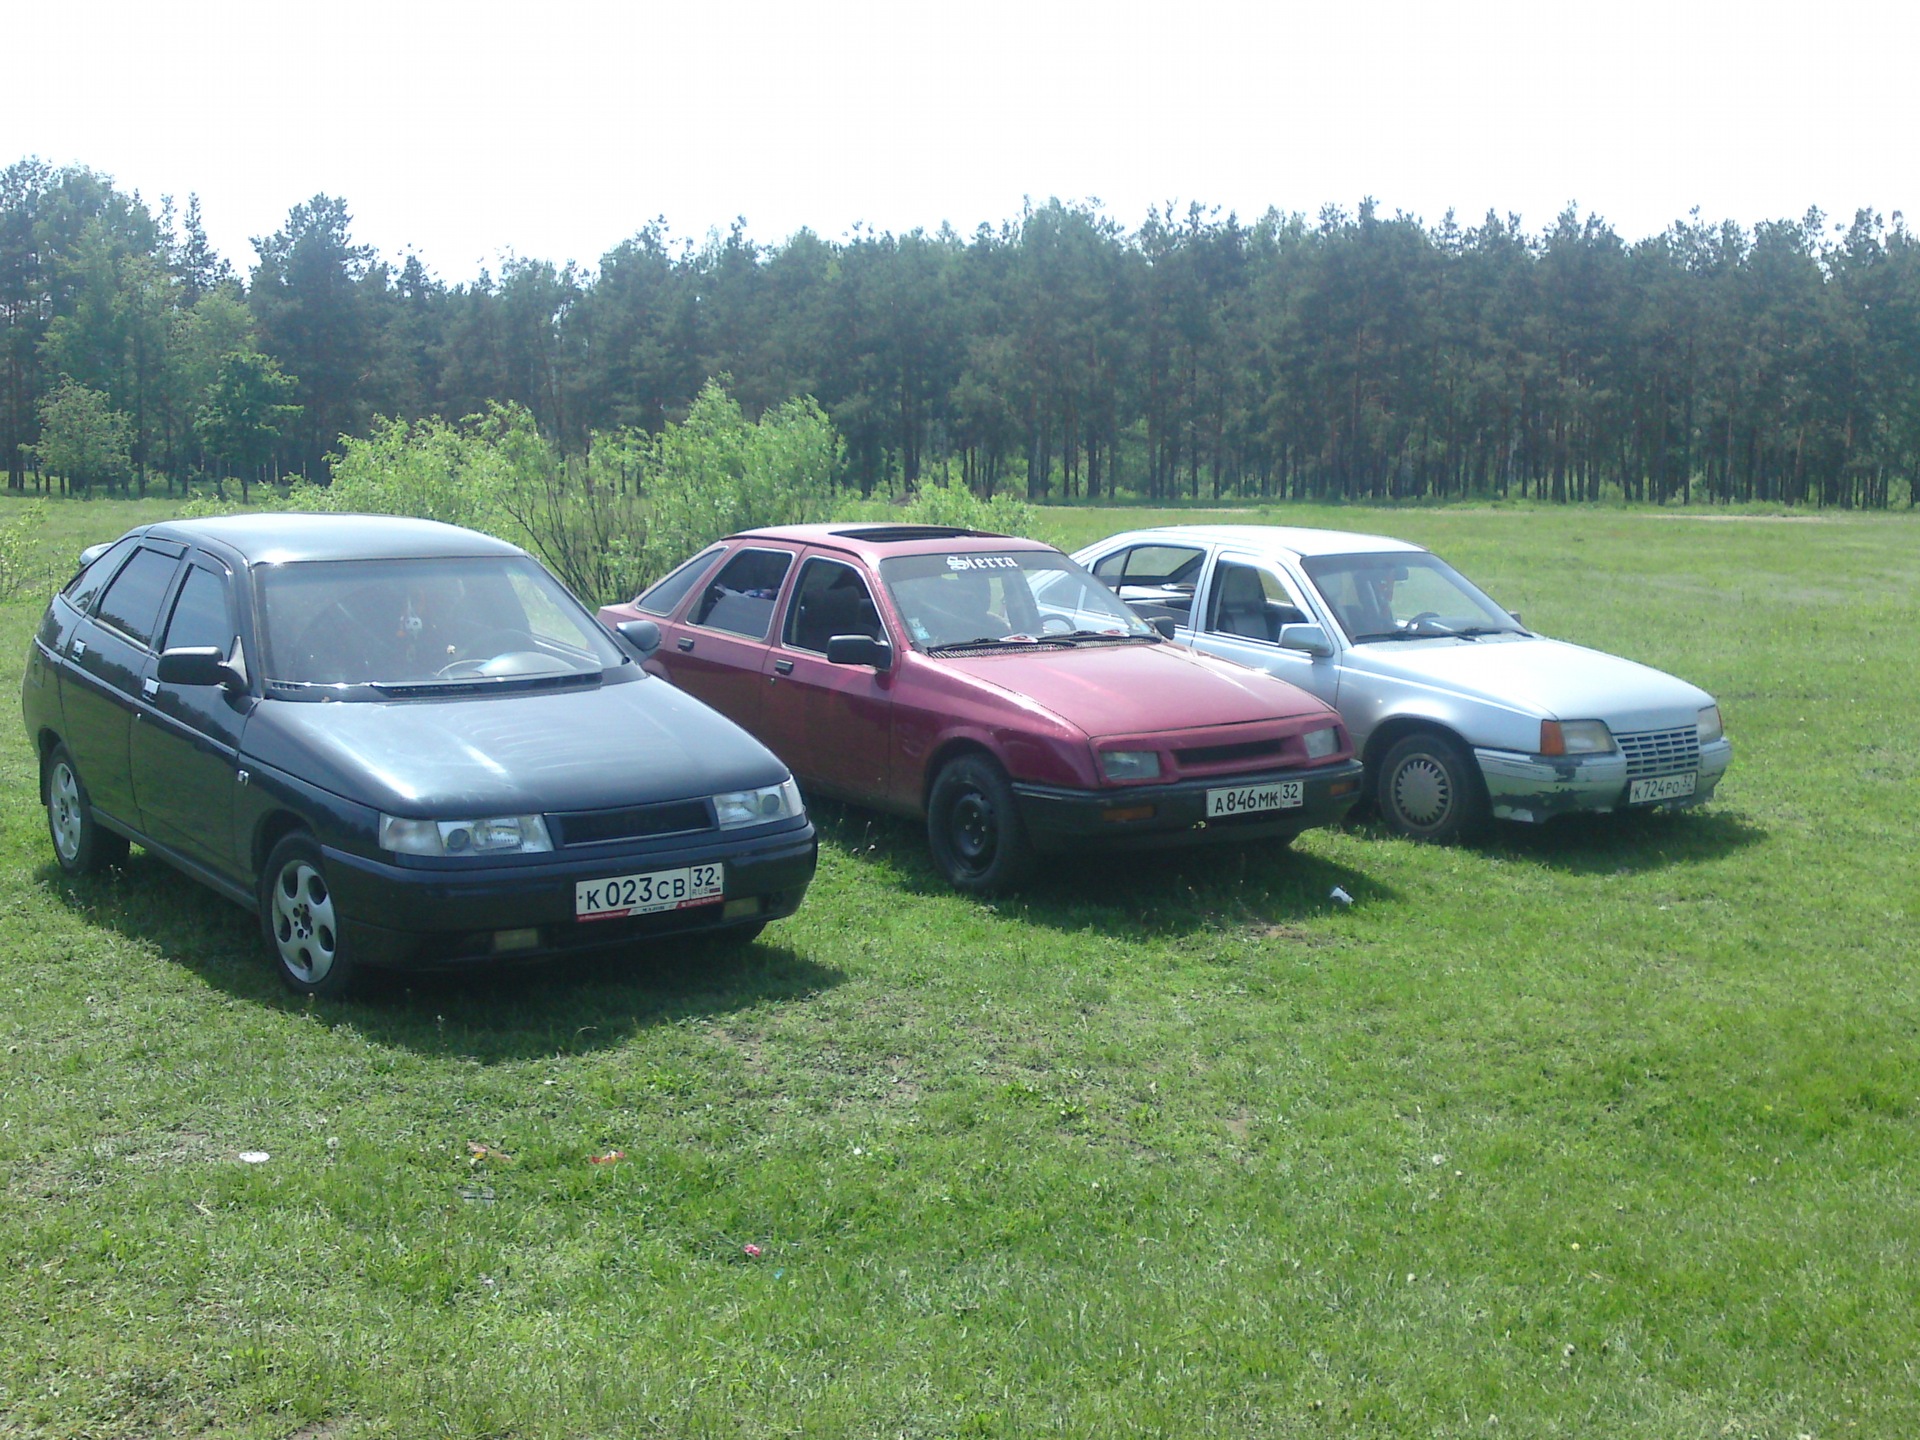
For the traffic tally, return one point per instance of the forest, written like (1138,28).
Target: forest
(1347,356)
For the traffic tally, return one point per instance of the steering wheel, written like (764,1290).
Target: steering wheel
(1066,626)
(1427,617)
(459,669)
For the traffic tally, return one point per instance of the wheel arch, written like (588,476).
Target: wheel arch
(1392,731)
(274,827)
(45,741)
(945,754)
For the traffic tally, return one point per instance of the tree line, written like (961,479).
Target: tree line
(1059,355)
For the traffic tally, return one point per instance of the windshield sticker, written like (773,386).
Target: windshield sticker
(982,562)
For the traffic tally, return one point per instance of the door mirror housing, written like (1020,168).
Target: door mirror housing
(198,665)
(1165,625)
(859,650)
(642,635)
(1310,639)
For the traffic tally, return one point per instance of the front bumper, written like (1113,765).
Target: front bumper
(1539,787)
(1176,814)
(408,917)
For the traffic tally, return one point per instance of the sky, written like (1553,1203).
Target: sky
(472,132)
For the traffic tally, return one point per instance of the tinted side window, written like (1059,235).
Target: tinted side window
(201,615)
(82,589)
(741,597)
(131,603)
(831,599)
(665,597)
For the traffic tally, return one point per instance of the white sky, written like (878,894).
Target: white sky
(553,131)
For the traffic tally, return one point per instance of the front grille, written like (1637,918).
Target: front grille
(1230,754)
(1661,752)
(597,827)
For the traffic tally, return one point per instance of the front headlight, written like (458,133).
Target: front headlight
(494,835)
(1710,727)
(735,808)
(1322,743)
(1130,764)
(1575,737)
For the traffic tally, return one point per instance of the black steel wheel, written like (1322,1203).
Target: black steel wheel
(974,829)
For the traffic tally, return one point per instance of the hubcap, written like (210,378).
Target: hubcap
(1422,791)
(63,811)
(303,922)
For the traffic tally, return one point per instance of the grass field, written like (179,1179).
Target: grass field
(1602,1130)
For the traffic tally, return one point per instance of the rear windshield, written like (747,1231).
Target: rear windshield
(389,623)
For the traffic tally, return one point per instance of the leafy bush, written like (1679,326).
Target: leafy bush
(607,522)
(717,473)
(22,567)
(958,506)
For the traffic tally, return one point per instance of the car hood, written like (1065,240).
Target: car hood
(630,742)
(1133,689)
(1550,677)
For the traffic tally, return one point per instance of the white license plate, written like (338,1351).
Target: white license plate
(1660,787)
(1245,799)
(622,895)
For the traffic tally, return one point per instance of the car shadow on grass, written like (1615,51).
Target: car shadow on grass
(1124,893)
(1624,843)
(566,1005)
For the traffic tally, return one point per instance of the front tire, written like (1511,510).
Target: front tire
(80,843)
(1430,789)
(302,922)
(974,828)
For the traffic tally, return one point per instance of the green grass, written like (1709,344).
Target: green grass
(1602,1130)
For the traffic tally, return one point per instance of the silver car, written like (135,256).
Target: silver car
(1460,712)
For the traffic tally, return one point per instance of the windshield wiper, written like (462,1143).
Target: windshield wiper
(472,684)
(1099,635)
(977,642)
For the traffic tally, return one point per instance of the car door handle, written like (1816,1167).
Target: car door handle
(785,667)
(150,687)
(685,642)
(79,648)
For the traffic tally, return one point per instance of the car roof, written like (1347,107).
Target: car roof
(879,541)
(278,537)
(1289,539)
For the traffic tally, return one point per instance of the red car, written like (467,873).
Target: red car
(990,685)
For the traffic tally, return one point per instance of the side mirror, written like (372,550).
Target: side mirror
(198,665)
(642,635)
(859,650)
(1164,624)
(1516,619)
(1308,638)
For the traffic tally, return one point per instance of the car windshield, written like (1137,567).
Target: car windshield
(991,598)
(1404,595)
(469,620)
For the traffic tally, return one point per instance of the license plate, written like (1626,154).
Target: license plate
(1660,787)
(644,894)
(1245,799)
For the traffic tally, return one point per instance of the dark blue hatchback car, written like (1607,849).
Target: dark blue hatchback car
(402,743)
